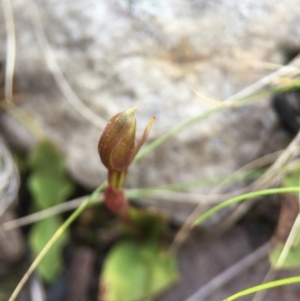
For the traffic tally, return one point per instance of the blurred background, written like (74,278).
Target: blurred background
(66,67)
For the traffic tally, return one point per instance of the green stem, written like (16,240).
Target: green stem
(264,286)
(176,130)
(242,198)
(53,239)
(116,178)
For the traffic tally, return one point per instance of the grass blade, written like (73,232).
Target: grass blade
(242,198)
(264,286)
(53,239)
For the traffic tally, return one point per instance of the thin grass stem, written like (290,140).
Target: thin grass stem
(243,198)
(264,286)
(53,239)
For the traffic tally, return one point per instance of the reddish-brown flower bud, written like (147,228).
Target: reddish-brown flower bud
(117,149)
(116,144)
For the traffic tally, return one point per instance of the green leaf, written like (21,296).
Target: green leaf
(40,234)
(48,190)
(48,182)
(46,156)
(49,186)
(162,266)
(136,270)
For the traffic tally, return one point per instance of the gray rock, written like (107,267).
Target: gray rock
(117,54)
(12,244)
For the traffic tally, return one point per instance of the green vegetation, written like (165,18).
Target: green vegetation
(49,186)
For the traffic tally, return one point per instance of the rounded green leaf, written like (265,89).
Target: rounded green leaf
(136,270)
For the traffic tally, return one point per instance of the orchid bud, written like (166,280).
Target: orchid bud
(117,149)
(116,143)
